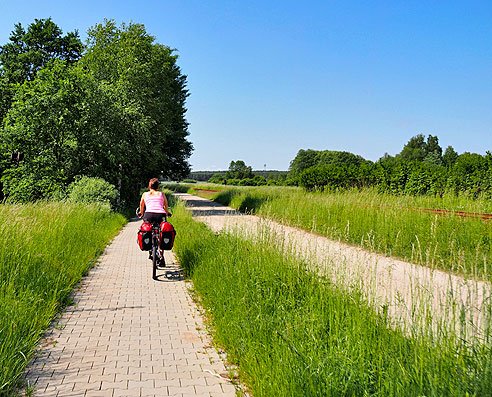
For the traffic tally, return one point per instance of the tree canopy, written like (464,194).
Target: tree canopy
(239,170)
(420,168)
(310,158)
(417,149)
(117,112)
(28,51)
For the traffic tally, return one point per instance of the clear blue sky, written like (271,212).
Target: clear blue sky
(268,78)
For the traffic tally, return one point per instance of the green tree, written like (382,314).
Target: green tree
(5,96)
(28,51)
(433,151)
(432,145)
(338,158)
(43,123)
(118,114)
(433,158)
(469,174)
(239,170)
(150,92)
(415,149)
(303,160)
(449,157)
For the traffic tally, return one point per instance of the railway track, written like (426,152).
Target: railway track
(464,214)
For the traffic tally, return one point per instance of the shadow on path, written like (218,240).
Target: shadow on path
(110,309)
(209,208)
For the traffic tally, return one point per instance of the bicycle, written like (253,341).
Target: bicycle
(155,256)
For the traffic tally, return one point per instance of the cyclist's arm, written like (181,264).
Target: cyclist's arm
(165,204)
(142,204)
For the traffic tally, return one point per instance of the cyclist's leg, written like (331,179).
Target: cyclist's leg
(163,218)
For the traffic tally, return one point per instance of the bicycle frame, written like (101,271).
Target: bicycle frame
(156,231)
(154,252)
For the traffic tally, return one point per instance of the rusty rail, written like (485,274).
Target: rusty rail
(463,214)
(207,190)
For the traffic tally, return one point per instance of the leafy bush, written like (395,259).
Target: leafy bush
(20,186)
(175,187)
(246,182)
(188,181)
(233,182)
(217,178)
(259,180)
(92,190)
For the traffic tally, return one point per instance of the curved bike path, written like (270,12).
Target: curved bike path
(128,335)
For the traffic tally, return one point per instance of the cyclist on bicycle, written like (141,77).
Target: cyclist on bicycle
(155,204)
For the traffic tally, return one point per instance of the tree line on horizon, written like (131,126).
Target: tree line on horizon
(422,167)
(111,108)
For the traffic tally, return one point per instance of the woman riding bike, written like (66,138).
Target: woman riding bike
(155,204)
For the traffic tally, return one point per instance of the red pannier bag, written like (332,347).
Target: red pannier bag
(167,236)
(144,236)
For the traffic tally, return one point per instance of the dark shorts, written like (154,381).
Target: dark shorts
(154,217)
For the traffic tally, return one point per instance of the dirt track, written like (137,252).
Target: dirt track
(411,295)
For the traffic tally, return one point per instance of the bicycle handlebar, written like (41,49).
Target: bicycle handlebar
(137,212)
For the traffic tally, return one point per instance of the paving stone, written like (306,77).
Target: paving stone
(137,384)
(159,383)
(188,390)
(96,393)
(124,393)
(193,382)
(102,378)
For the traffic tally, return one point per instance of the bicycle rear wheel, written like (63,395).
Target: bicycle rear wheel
(154,261)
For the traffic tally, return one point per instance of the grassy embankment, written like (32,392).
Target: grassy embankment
(383,223)
(45,248)
(294,333)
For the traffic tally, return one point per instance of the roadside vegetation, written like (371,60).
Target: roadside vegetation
(113,108)
(384,223)
(421,168)
(292,332)
(45,249)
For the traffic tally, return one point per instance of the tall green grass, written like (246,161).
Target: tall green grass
(45,248)
(292,333)
(384,223)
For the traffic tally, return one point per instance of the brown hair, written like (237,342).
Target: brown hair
(154,184)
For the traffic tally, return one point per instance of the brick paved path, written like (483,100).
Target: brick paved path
(128,335)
